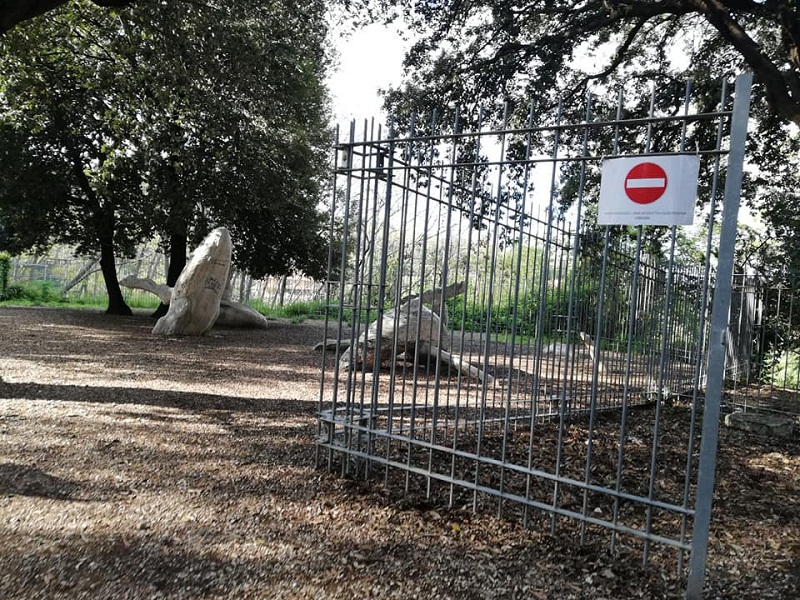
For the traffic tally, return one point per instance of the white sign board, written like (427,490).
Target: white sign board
(648,190)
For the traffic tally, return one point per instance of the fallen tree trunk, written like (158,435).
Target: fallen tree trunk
(87,270)
(438,296)
(412,329)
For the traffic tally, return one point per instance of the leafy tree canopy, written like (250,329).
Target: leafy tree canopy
(13,12)
(488,49)
(172,118)
(486,53)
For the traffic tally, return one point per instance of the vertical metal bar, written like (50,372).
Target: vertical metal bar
(763,306)
(424,261)
(701,326)
(626,381)
(482,398)
(457,411)
(793,354)
(394,292)
(790,375)
(629,350)
(515,298)
(596,341)
(507,407)
(544,272)
(595,376)
(384,260)
(492,264)
(718,337)
(442,281)
(364,255)
(570,308)
(773,365)
(648,522)
(362,271)
(463,264)
(497,197)
(752,304)
(342,273)
(533,271)
(407,162)
(369,189)
(331,225)
(521,239)
(786,362)
(663,351)
(660,395)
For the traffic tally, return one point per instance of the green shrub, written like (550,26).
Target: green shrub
(14,292)
(473,316)
(785,369)
(296,311)
(148,301)
(33,292)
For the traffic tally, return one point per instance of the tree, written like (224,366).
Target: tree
(187,116)
(471,54)
(492,45)
(13,12)
(69,172)
(244,128)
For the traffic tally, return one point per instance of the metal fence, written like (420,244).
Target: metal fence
(763,353)
(499,353)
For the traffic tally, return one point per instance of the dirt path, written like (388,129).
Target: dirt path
(140,467)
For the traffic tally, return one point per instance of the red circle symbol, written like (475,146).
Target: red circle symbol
(645,183)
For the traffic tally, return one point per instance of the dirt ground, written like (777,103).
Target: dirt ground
(133,466)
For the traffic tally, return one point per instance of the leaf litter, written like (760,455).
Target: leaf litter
(132,467)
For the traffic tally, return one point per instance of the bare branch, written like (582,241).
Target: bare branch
(619,55)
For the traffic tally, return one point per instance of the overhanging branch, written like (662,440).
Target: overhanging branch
(775,82)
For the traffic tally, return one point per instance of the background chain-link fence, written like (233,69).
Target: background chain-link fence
(79,279)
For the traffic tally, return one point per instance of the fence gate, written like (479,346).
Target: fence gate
(489,345)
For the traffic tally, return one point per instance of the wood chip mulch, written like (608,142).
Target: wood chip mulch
(133,466)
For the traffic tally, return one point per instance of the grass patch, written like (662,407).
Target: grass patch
(44,293)
(32,293)
(297,312)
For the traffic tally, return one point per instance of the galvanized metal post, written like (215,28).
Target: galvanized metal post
(717,340)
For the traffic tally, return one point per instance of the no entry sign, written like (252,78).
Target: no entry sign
(648,190)
(645,183)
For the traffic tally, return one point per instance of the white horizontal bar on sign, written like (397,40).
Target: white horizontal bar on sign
(655,182)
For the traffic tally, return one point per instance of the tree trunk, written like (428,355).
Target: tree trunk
(177,261)
(116,303)
(177,257)
(282,291)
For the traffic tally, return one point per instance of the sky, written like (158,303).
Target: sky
(369,59)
